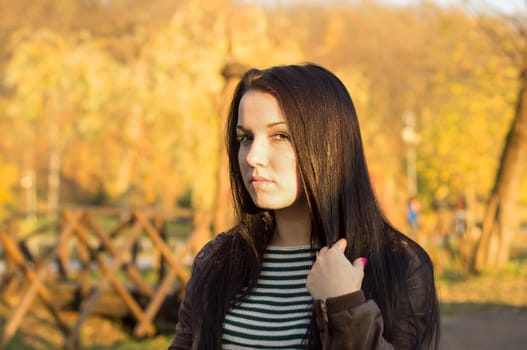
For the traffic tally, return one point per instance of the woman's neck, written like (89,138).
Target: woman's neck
(292,227)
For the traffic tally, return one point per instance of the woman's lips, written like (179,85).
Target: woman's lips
(258,181)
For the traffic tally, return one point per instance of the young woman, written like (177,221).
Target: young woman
(312,263)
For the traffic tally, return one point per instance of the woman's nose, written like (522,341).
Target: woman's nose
(258,153)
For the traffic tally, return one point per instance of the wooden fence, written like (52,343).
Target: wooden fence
(110,251)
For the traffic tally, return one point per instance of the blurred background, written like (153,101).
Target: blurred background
(112,111)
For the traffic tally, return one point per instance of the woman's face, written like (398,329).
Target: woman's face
(268,162)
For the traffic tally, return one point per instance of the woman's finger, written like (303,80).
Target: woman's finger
(360,262)
(341,244)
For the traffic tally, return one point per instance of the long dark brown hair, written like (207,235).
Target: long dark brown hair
(325,133)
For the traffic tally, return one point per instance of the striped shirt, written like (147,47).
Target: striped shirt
(277,313)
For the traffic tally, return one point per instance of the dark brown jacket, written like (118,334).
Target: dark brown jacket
(348,322)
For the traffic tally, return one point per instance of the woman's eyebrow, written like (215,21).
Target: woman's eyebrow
(275,124)
(270,125)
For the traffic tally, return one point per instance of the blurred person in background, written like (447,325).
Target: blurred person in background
(413,209)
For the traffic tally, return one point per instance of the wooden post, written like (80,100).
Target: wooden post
(130,268)
(155,303)
(160,225)
(107,278)
(82,227)
(161,245)
(36,279)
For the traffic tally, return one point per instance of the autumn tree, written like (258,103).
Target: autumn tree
(433,61)
(128,96)
(501,220)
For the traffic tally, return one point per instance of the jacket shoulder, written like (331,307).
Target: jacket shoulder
(208,251)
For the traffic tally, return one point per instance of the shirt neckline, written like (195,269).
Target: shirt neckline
(296,247)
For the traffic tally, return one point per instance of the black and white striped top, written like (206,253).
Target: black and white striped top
(277,313)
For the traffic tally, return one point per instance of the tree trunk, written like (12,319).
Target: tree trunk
(223,209)
(54,167)
(133,135)
(501,222)
(28,183)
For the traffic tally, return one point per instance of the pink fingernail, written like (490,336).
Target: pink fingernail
(364,261)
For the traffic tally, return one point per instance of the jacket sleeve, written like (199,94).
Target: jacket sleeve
(351,322)
(184,338)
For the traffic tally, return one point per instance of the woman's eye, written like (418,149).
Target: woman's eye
(281,136)
(242,138)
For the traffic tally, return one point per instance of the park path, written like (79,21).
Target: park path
(500,328)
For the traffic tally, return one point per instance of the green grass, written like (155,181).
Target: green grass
(158,342)
(507,288)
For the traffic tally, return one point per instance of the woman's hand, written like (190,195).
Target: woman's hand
(333,275)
